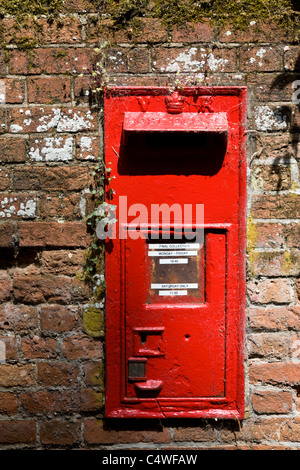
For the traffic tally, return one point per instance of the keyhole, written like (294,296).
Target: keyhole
(143,337)
(187,336)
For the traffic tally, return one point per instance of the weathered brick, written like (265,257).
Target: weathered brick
(290,431)
(272,263)
(269,291)
(71,178)
(17,431)
(94,373)
(276,206)
(53,234)
(67,30)
(4,179)
(17,375)
(2,63)
(12,149)
(62,262)
(60,432)
(269,117)
(274,318)
(268,345)
(50,61)
(254,430)
(81,346)
(292,233)
(36,119)
(6,234)
(40,289)
(279,147)
(18,318)
(8,403)
(49,402)
(91,399)
(51,149)
(196,433)
(138,60)
(5,287)
(265,59)
(39,348)
(11,347)
(268,235)
(275,373)
(57,373)
(291,59)
(14,90)
(48,90)
(258,31)
(65,206)
(199,32)
(194,59)
(13,206)
(272,402)
(2,120)
(87,147)
(96,432)
(60,318)
(116,61)
(270,177)
(270,86)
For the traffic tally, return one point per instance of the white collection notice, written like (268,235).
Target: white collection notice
(173,253)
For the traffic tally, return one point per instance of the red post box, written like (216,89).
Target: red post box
(175,260)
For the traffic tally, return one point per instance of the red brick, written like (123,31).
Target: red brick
(62,261)
(6,234)
(2,63)
(40,289)
(292,232)
(268,235)
(65,206)
(57,373)
(50,61)
(11,347)
(12,149)
(274,318)
(76,6)
(117,61)
(271,177)
(291,59)
(94,373)
(81,346)
(262,31)
(48,119)
(268,86)
(265,59)
(49,90)
(138,60)
(14,90)
(9,403)
(272,263)
(49,402)
(269,291)
(254,429)
(290,431)
(60,318)
(199,32)
(5,288)
(17,375)
(87,147)
(196,433)
(18,318)
(39,348)
(13,206)
(98,432)
(17,431)
(91,400)
(13,33)
(53,234)
(51,149)
(271,345)
(67,30)
(275,373)
(73,178)
(2,120)
(4,179)
(276,206)
(60,432)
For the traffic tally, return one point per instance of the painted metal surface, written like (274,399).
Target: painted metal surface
(175,310)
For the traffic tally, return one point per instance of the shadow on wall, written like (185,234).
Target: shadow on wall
(280,82)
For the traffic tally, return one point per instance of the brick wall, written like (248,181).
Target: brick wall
(51,382)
